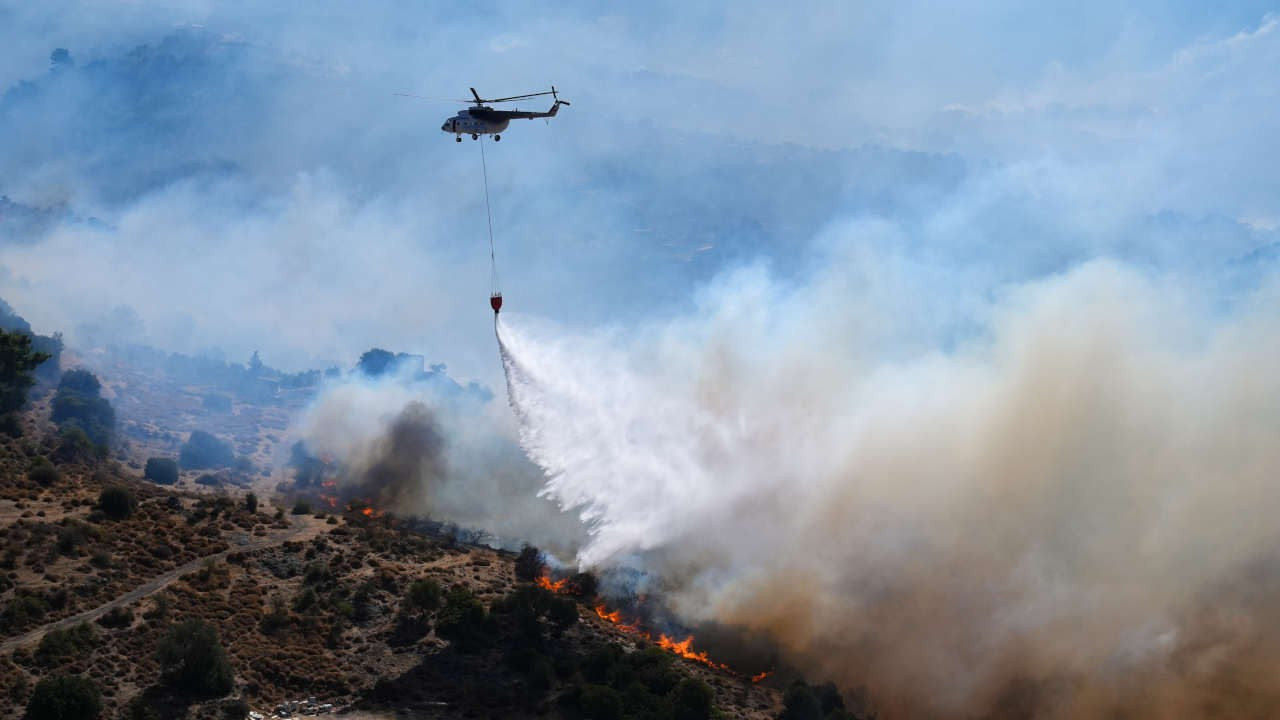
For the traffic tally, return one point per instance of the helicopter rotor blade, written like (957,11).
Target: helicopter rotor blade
(427,97)
(518,97)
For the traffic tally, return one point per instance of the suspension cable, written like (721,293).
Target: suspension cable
(493,261)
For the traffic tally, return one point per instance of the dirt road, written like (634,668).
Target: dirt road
(301,529)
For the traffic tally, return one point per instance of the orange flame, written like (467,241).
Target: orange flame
(545,583)
(330,484)
(683,648)
(330,500)
(760,676)
(614,617)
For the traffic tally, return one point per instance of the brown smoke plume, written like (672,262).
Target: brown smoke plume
(1069,516)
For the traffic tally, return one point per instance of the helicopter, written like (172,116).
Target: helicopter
(484,120)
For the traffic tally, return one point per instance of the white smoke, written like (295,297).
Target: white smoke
(1050,496)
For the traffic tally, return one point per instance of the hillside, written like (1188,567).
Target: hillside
(357,612)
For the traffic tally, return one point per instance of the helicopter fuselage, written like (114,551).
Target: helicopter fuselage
(482,120)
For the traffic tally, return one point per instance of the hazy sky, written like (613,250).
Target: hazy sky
(244,178)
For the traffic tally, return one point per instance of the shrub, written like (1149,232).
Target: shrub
(43,472)
(461,620)
(529,564)
(424,595)
(600,703)
(75,445)
(191,659)
(692,700)
(799,703)
(305,600)
(116,617)
(140,708)
(17,360)
(162,471)
(562,612)
(302,507)
(251,503)
(24,609)
(58,646)
(205,450)
(117,502)
(65,697)
(78,403)
(582,585)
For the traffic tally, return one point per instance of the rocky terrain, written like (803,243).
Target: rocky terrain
(365,613)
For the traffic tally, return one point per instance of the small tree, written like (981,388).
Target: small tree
(529,564)
(251,503)
(17,360)
(161,471)
(43,472)
(117,502)
(191,659)
(692,700)
(375,362)
(205,450)
(78,403)
(65,697)
(799,703)
(424,595)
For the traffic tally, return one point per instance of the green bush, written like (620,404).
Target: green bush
(117,501)
(192,660)
(461,620)
(205,450)
(302,507)
(65,697)
(424,595)
(161,471)
(529,565)
(251,503)
(692,700)
(75,445)
(17,360)
(58,646)
(599,702)
(799,703)
(78,403)
(43,472)
(140,708)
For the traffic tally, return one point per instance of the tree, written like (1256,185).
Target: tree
(376,362)
(192,659)
(529,565)
(43,472)
(17,360)
(799,703)
(161,471)
(425,595)
(251,502)
(65,697)
(78,403)
(117,502)
(205,450)
(75,445)
(692,700)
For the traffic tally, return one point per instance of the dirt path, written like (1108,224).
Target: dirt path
(301,529)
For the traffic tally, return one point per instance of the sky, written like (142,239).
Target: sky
(934,342)
(243,178)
